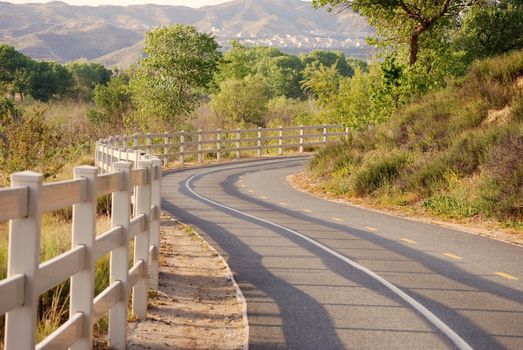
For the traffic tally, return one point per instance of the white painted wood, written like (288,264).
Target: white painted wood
(218,144)
(200,139)
(65,336)
(13,203)
(84,232)
(108,241)
(108,183)
(141,241)
(55,271)
(58,195)
(301,138)
(238,143)
(182,147)
(11,293)
(139,177)
(136,273)
(136,226)
(24,236)
(156,200)
(149,142)
(259,143)
(325,133)
(104,302)
(119,260)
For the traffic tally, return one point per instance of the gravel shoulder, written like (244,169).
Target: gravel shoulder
(199,305)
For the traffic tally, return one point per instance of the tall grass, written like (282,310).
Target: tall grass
(456,152)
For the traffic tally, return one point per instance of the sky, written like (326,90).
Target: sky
(190,3)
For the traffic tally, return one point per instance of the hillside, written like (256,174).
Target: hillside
(455,153)
(112,34)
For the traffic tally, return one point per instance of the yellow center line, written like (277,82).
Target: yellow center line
(410,241)
(370,228)
(337,219)
(283,203)
(452,256)
(506,275)
(307,211)
(263,197)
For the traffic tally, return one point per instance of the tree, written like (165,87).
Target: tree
(113,103)
(404,21)
(180,62)
(86,76)
(15,71)
(318,58)
(242,101)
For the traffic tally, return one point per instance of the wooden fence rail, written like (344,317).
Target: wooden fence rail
(24,203)
(217,143)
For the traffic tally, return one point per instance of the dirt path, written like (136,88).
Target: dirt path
(198,305)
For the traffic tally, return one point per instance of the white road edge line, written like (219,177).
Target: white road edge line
(453,336)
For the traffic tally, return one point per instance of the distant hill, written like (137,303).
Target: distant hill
(113,35)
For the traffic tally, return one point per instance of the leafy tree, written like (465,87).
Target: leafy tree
(323,82)
(113,103)
(318,58)
(242,101)
(15,71)
(492,29)
(180,61)
(283,74)
(404,21)
(86,76)
(49,79)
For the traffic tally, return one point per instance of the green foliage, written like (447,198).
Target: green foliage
(457,152)
(29,143)
(318,58)
(242,101)
(86,76)
(180,61)
(113,103)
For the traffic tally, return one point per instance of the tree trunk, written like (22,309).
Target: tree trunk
(414,48)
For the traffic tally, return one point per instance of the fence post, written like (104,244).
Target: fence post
(218,144)
(141,241)
(156,203)
(23,258)
(124,141)
(138,156)
(301,138)
(347,133)
(324,133)
(238,139)
(119,260)
(84,232)
(96,153)
(182,147)
(135,141)
(149,142)
(259,150)
(165,148)
(280,141)
(200,139)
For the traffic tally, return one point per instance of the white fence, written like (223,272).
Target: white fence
(27,278)
(218,143)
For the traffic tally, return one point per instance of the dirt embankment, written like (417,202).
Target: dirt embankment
(198,305)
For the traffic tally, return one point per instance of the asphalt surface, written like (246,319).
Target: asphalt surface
(324,275)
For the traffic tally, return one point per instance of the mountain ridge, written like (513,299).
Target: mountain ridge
(112,34)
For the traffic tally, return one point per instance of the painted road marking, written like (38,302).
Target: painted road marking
(410,241)
(283,203)
(250,191)
(307,211)
(337,219)
(452,256)
(507,276)
(243,185)
(439,324)
(370,228)
(263,197)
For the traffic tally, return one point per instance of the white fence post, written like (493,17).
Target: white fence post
(280,141)
(149,143)
(238,140)
(325,133)
(347,133)
(182,147)
(141,241)
(165,148)
(24,257)
(200,139)
(135,140)
(84,232)
(156,203)
(301,138)
(259,149)
(218,144)
(119,260)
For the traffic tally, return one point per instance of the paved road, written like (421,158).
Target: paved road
(324,275)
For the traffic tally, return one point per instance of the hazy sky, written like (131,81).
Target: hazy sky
(191,3)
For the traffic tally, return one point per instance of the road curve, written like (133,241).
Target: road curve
(325,275)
